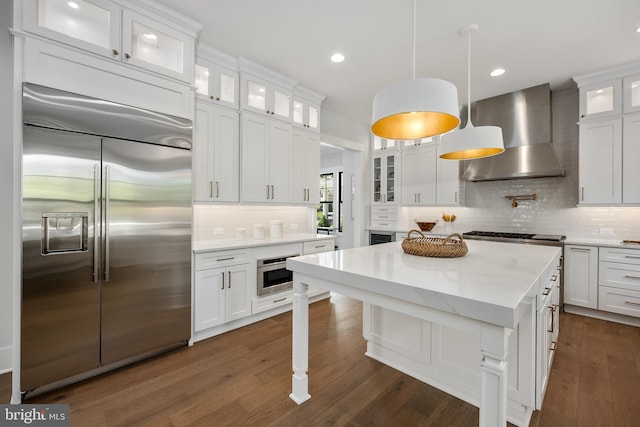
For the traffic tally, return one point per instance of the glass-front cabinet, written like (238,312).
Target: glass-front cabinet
(216,83)
(385,169)
(601,99)
(104,28)
(631,98)
(262,96)
(306,114)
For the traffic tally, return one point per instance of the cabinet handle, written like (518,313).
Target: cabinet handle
(229,281)
(546,291)
(632,303)
(632,277)
(115,52)
(554,278)
(553,310)
(217,189)
(319,246)
(223,280)
(582,194)
(127,56)
(456,197)
(225,259)
(267,192)
(210,189)
(273,192)
(554,345)
(632,257)
(278,300)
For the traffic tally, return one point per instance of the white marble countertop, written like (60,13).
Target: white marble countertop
(591,241)
(219,245)
(489,284)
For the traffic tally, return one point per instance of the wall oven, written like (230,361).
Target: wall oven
(378,237)
(273,276)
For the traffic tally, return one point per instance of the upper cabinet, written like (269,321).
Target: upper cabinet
(385,177)
(609,136)
(264,91)
(306,109)
(131,36)
(216,79)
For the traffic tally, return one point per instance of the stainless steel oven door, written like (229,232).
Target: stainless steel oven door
(273,276)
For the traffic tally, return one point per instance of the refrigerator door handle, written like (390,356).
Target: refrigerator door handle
(96,218)
(107,178)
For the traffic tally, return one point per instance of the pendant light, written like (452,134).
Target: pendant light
(471,142)
(417,108)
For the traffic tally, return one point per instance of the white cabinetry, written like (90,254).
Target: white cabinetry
(305,167)
(581,276)
(266,159)
(122,34)
(306,109)
(216,78)
(609,135)
(385,176)
(547,336)
(619,281)
(216,151)
(427,179)
(600,159)
(419,175)
(221,288)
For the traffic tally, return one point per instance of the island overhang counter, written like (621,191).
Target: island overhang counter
(486,293)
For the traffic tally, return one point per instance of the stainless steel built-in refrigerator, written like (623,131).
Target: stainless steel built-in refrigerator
(106,232)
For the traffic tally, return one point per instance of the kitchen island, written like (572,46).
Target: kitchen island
(486,293)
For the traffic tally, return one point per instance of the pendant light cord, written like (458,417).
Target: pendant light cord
(470,29)
(414,40)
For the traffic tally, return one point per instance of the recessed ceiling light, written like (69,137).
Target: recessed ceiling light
(638,30)
(337,57)
(73,5)
(497,72)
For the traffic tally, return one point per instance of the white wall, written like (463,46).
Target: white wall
(7,271)
(555,211)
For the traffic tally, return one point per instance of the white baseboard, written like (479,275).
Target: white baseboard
(602,315)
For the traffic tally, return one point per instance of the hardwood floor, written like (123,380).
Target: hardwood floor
(244,378)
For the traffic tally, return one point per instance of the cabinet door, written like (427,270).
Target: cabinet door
(631,94)
(377,179)
(581,276)
(427,175)
(600,159)
(155,47)
(410,174)
(305,167)
(255,157)
(216,83)
(391,171)
(237,292)
(448,181)
(601,99)
(92,25)
(209,301)
(279,161)
(216,154)
(631,151)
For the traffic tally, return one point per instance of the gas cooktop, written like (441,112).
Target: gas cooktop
(499,236)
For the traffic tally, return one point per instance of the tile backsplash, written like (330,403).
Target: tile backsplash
(554,211)
(219,222)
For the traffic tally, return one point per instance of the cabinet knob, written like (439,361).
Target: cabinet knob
(268,112)
(127,56)
(272,113)
(217,98)
(115,52)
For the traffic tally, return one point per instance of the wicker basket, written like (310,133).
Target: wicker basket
(440,247)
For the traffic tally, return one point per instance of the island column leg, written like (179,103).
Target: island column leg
(300,347)
(494,344)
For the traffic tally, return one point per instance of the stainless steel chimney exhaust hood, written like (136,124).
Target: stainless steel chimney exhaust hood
(525,119)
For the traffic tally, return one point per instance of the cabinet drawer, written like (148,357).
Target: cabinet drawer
(622,301)
(383,225)
(384,217)
(384,210)
(618,275)
(273,301)
(219,259)
(627,256)
(318,246)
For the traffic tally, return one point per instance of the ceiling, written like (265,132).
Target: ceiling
(536,42)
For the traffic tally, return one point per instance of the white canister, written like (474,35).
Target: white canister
(275,230)
(241,234)
(258,231)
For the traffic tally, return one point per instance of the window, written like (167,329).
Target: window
(325,209)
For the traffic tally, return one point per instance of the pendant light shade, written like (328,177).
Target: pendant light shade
(413,109)
(417,108)
(471,142)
